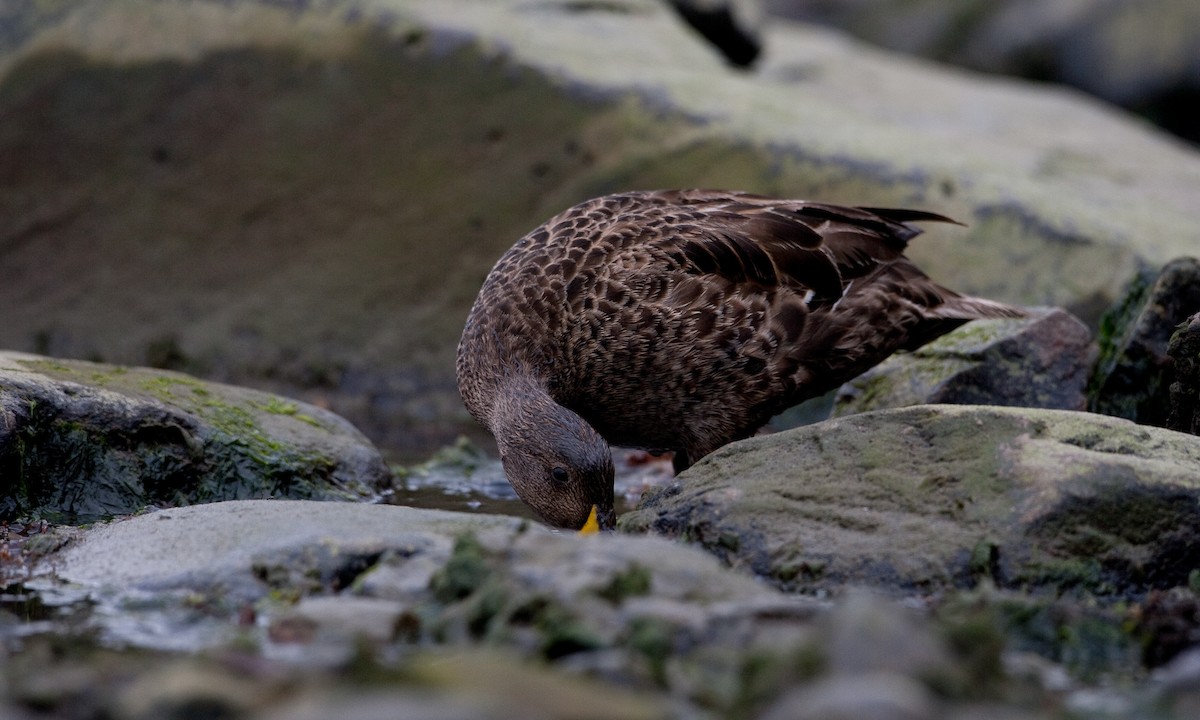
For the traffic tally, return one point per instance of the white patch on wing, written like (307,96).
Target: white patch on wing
(845,292)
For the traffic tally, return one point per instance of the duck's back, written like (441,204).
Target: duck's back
(683,320)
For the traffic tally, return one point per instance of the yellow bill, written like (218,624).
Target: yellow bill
(592,525)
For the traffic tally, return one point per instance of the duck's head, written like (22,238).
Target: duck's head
(557,463)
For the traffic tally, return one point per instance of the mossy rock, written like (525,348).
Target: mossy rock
(1039,361)
(933,497)
(84,441)
(1133,374)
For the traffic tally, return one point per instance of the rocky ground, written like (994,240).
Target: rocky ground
(303,199)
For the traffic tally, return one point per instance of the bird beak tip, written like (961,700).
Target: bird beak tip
(598,521)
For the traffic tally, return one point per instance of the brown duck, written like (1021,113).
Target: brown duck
(683,320)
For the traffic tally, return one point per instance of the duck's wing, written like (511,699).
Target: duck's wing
(809,247)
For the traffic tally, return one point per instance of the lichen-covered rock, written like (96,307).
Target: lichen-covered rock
(1184,351)
(940,496)
(1133,373)
(1041,362)
(84,441)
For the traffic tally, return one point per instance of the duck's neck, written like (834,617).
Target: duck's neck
(518,400)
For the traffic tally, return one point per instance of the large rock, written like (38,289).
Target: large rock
(933,497)
(84,441)
(305,197)
(1184,391)
(424,610)
(1144,56)
(1134,372)
(1041,361)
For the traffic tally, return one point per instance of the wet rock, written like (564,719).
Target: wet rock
(1133,374)
(475,616)
(1168,625)
(1178,684)
(244,550)
(84,441)
(1184,352)
(186,689)
(647,610)
(1041,362)
(940,496)
(866,634)
(867,697)
(376,704)
(349,617)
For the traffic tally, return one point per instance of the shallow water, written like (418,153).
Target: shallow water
(463,478)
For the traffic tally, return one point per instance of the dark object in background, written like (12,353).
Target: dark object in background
(726,25)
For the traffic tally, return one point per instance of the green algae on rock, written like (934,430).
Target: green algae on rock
(934,497)
(85,441)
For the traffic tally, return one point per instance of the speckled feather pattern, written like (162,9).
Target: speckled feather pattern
(682,320)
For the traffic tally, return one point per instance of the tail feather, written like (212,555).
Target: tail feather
(965,307)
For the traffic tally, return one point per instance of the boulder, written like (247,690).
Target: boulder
(1142,57)
(934,497)
(305,197)
(83,441)
(1041,362)
(1184,351)
(323,578)
(1134,373)
(428,609)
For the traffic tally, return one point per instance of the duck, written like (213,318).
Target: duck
(681,321)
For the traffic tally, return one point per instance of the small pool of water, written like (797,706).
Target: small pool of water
(462,477)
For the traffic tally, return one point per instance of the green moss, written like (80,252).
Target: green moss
(563,633)
(1092,640)
(99,470)
(278,406)
(654,641)
(984,556)
(466,570)
(633,581)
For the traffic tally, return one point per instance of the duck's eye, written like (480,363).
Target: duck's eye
(559,474)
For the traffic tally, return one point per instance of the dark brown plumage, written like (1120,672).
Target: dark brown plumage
(682,320)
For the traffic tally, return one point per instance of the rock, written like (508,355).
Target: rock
(1144,60)
(183,688)
(934,497)
(376,704)
(308,570)
(354,618)
(1184,352)
(137,165)
(440,614)
(243,549)
(869,697)
(866,635)
(1133,375)
(1039,362)
(84,441)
